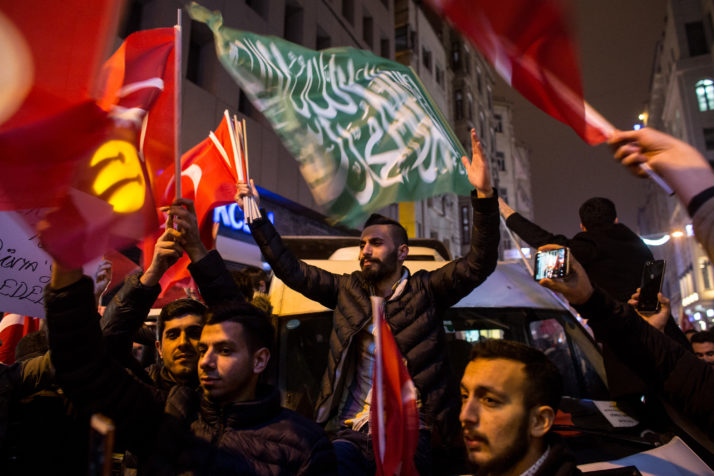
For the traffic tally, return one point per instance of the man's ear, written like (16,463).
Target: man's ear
(541,420)
(158,348)
(617,220)
(582,227)
(261,357)
(402,252)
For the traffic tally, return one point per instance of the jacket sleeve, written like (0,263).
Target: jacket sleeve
(85,370)
(214,281)
(703,223)
(310,281)
(684,381)
(36,374)
(455,280)
(127,312)
(322,460)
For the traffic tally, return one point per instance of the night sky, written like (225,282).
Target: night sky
(617,42)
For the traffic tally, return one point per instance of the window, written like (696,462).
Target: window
(705,94)
(367,30)
(322,40)
(501,161)
(348,10)
(458,105)
(426,58)
(401,38)
(198,51)
(384,50)
(482,130)
(293,23)
(696,39)
(709,138)
(467,65)
(469,106)
(479,82)
(465,228)
(706,268)
(456,55)
(439,72)
(259,6)
(131,21)
(499,123)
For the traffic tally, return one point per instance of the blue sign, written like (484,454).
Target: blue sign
(232,217)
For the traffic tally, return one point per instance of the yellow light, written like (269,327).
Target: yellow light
(120,181)
(677,234)
(641,117)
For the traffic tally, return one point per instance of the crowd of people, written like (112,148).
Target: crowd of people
(205,406)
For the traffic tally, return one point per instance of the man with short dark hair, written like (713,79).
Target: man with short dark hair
(510,393)
(413,306)
(230,425)
(703,346)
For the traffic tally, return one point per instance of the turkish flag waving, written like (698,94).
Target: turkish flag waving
(209,179)
(530,45)
(394,417)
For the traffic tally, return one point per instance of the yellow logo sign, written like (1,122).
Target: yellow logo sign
(120,181)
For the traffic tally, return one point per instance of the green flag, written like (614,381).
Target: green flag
(363,128)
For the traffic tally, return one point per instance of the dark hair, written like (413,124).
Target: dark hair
(179,308)
(243,282)
(543,384)
(31,345)
(701,337)
(256,275)
(258,330)
(399,233)
(597,212)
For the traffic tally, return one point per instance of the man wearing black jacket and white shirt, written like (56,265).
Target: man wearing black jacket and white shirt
(412,310)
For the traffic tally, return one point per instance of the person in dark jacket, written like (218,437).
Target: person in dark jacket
(413,311)
(680,378)
(179,323)
(510,393)
(228,426)
(612,255)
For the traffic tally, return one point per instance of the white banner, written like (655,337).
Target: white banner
(25,268)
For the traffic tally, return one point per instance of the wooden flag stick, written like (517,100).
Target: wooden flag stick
(245,140)
(234,144)
(177,103)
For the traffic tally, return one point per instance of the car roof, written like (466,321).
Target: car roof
(509,285)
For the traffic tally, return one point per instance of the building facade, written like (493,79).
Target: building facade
(682,104)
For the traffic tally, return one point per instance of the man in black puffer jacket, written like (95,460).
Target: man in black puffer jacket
(413,311)
(229,426)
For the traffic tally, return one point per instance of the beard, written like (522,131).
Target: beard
(509,456)
(379,269)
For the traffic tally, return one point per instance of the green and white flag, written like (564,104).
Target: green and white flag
(364,129)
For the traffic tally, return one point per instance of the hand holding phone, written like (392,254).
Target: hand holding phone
(652,278)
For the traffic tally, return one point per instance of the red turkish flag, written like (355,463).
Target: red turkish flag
(530,45)
(14,327)
(209,179)
(394,417)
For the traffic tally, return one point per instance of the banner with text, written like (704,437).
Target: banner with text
(363,128)
(25,268)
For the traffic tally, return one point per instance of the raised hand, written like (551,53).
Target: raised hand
(166,252)
(477,170)
(245,190)
(576,287)
(183,213)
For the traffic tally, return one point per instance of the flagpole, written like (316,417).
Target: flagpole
(177,102)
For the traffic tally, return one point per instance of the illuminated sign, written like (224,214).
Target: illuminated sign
(120,180)
(232,217)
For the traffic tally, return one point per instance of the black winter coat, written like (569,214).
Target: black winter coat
(181,434)
(414,317)
(613,256)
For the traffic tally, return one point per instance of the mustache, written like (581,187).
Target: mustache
(474,435)
(371,260)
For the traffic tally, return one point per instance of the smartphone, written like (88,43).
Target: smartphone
(652,277)
(552,264)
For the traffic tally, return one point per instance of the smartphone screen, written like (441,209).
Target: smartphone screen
(652,277)
(551,264)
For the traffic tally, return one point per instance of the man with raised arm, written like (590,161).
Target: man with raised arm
(413,309)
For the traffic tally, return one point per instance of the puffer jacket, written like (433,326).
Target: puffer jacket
(414,317)
(181,434)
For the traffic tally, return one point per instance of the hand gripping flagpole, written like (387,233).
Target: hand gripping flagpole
(240,153)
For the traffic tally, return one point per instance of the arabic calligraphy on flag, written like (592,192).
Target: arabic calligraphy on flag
(363,128)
